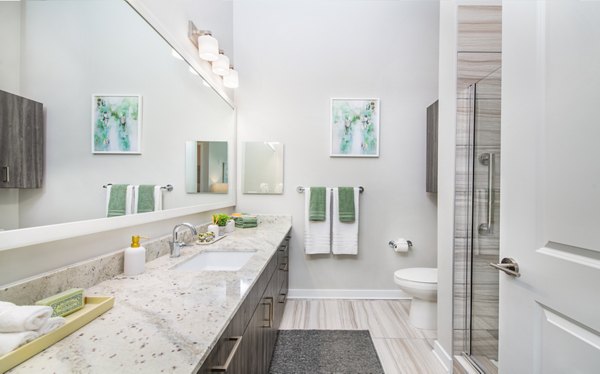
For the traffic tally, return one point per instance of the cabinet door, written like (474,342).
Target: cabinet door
(21,142)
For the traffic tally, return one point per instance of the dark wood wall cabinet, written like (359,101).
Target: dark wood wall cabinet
(246,345)
(432,148)
(21,142)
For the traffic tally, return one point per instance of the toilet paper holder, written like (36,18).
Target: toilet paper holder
(394,243)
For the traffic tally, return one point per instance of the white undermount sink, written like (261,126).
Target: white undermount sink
(216,261)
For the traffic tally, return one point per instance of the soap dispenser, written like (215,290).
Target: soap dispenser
(135,257)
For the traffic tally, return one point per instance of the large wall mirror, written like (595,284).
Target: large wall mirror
(262,170)
(61,53)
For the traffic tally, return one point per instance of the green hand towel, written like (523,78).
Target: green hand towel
(317,202)
(117,200)
(145,198)
(346,207)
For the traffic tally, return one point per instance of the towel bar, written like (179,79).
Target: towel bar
(300,189)
(168,187)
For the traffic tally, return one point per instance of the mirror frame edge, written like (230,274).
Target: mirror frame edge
(12,239)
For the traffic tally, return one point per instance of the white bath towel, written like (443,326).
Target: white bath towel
(317,234)
(51,324)
(23,318)
(129,199)
(344,235)
(10,341)
(158,198)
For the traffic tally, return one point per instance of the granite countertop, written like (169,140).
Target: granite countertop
(163,321)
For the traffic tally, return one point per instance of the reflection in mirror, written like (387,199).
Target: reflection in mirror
(263,168)
(62,53)
(206,168)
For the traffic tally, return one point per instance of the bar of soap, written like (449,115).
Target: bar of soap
(64,303)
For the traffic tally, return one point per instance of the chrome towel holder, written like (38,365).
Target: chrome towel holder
(301,189)
(168,187)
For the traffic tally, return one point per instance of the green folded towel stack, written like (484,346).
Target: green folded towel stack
(145,198)
(346,207)
(316,208)
(117,200)
(246,222)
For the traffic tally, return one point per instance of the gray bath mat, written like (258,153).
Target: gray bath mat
(325,351)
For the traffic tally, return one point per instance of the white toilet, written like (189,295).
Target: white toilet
(421,285)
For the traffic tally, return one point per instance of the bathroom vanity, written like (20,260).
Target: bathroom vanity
(180,320)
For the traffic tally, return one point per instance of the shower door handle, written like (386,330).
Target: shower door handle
(509,266)
(488,159)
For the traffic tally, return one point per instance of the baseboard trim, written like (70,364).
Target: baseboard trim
(443,357)
(346,294)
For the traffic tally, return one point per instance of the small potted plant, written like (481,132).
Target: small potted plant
(221,221)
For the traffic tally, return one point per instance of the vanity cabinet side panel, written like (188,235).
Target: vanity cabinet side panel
(432,148)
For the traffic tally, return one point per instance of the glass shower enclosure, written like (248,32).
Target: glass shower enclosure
(477,224)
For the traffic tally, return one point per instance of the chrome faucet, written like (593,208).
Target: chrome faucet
(176,244)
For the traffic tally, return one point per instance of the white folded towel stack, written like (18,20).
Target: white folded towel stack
(317,234)
(344,236)
(10,341)
(23,318)
(158,198)
(51,324)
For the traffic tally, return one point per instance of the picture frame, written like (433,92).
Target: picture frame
(116,124)
(354,127)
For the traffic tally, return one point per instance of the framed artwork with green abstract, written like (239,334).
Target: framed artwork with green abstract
(116,124)
(354,128)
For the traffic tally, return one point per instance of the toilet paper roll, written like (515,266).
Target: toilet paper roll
(400,245)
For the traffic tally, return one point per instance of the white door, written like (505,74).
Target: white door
(550,316)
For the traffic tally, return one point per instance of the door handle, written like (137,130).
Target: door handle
(509,266)
(488,159)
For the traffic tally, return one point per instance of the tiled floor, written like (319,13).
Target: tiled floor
(401,347)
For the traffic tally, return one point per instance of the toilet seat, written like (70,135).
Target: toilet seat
(417,275)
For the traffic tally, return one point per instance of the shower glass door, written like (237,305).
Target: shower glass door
(484,231)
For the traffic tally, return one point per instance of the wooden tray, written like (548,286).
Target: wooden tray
(214,240)
(94,307)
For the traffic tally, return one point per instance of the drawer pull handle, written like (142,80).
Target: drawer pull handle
(282,298)
(283,267)
(5,174)
(269,321)
(225,367)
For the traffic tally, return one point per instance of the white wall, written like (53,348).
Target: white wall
(293,56)
(10,24)
(446,168)
(63,66)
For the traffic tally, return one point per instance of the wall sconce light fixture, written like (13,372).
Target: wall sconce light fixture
(221,65)
(231,80)
(208,46)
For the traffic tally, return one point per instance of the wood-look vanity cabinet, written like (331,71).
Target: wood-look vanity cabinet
(21,142)
(246,345)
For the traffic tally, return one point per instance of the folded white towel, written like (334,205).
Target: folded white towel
(5,304)
(158,198)
(344,235)
(10,341)
(23,318)
(51,324)
(317,234)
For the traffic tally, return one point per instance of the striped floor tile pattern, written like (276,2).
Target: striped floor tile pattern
(402,348)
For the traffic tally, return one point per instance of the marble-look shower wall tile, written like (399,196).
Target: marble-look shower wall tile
(480,171)
(461,210)
(464,117)
(472,67)
(479,28)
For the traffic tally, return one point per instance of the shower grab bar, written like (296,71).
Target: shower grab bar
(488,159)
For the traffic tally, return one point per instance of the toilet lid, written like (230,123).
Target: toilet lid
(422,275)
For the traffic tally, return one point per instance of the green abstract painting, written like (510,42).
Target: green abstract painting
(116,124)
(354,127)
